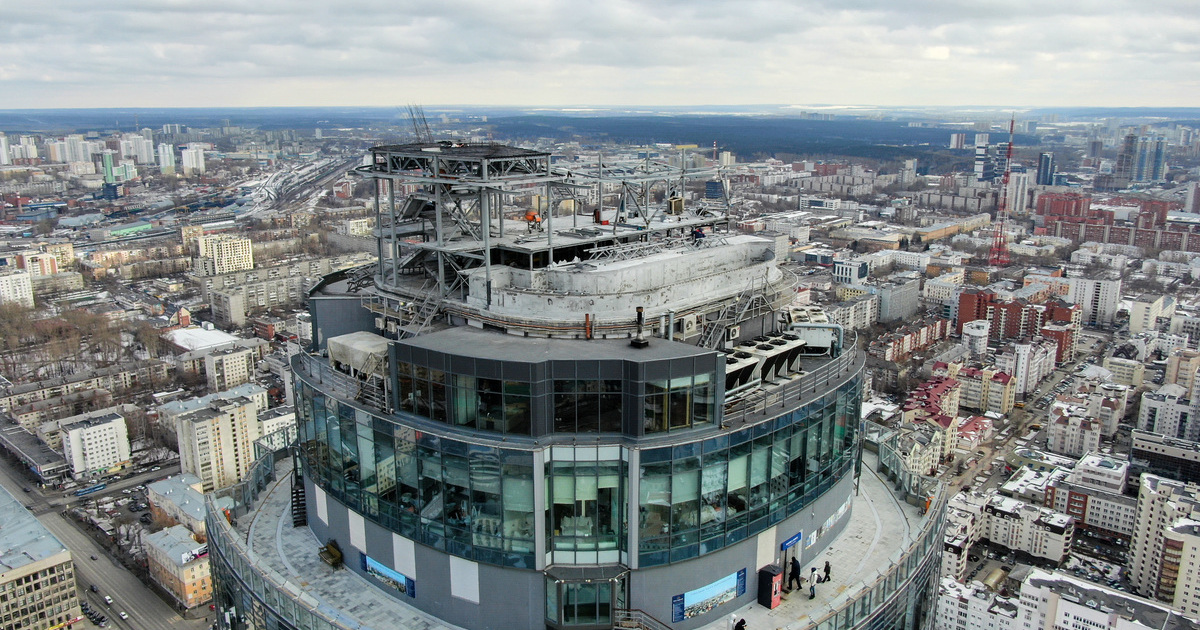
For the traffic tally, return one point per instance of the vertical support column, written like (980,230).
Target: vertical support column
(633,517)
(539,507)
(379,226)
(393,248)
(437,206)
(485,220)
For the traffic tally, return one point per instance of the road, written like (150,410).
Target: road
(146,610)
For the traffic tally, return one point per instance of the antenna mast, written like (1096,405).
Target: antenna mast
(998,256)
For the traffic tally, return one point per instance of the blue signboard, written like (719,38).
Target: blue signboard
(791,542)
(706,598)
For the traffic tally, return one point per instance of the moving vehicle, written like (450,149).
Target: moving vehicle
(108,600)
(90,489)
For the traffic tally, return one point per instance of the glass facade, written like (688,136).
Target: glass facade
(258,597)
(478,501)
(699,497)
(556,396)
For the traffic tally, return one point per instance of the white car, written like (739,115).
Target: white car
(122,615)
(108,600)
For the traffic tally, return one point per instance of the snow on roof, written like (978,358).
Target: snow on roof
(196,338)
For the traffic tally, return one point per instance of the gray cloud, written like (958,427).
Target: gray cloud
(301,52)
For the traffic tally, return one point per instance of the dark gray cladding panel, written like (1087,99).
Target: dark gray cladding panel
(340,315)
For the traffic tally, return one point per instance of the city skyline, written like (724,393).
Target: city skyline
(1116,54)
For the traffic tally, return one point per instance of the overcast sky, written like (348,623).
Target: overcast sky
(178,53)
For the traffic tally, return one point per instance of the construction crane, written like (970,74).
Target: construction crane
(416,115)
(998,255)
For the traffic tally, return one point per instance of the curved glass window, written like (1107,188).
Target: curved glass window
(744,482)
(478,501)
(472,501)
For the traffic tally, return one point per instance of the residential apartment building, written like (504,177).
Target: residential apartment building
(1029,361)
(1038,531)
(178,562)
(228,368)
(170,412)
(972,607)
(313,268)
(232,307)
(178,500)
(900,344)
(1099,298)
(96,445)
(856,313)
(114,378)
(37,585)
(1057,601)
(1181,368)
(16,287)
(1129,372)
(1169,411)
(220,254)
(898,296)
(1071,432)
(965,523)
(1146,310)
(981,389)
(1005,521)
(1093,493)
(216,442)
(1164,540)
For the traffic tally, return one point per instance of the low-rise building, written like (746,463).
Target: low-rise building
(179,563)
(115,378)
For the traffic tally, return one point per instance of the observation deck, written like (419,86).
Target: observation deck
(881,559)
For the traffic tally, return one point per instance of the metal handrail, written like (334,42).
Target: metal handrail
(643,619)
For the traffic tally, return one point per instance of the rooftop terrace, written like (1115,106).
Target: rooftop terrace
(881,532)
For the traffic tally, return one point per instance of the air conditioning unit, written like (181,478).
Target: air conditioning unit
(689,324)
(378,323)
(391,326)
(732,333)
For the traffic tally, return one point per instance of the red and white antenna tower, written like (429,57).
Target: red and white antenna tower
(998,255)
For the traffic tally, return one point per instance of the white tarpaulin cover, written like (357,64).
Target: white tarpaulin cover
(353,350)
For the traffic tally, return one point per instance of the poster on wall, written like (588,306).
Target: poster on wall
(388,577)
(706,598)
(829,523)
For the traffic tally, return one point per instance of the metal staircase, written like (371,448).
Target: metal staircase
(299,502)
(750,302)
